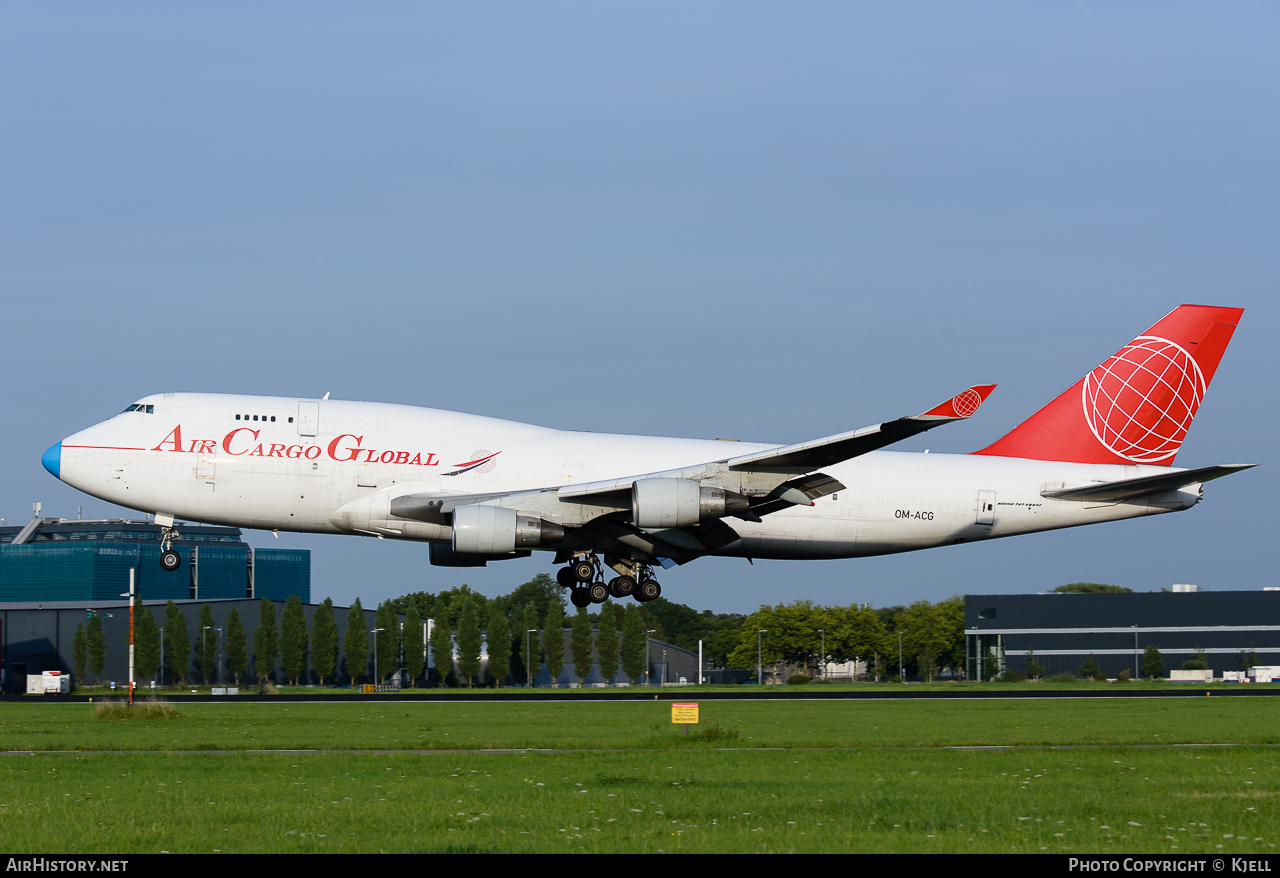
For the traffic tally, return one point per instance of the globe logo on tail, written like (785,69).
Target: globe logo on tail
(1140,403)
(965,404)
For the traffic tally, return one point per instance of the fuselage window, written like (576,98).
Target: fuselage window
(237,417)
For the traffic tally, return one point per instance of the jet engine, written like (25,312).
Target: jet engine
(680,503)
(495,530)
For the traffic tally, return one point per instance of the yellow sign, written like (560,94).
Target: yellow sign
(684,712)
(367,688)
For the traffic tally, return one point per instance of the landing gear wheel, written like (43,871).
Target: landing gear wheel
(580,597)
(597,592)
(648,590)
(565,577)
(170,560)
(622,586)
(583,571)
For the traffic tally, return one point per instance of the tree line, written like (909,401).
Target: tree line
(522,632)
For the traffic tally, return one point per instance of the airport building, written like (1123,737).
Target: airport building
(1231,628)
(55,559)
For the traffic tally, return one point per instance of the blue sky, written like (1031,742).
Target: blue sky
(765,221)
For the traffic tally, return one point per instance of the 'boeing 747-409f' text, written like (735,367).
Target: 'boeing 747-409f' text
(481,489)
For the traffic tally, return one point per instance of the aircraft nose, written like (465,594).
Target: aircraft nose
(52,460)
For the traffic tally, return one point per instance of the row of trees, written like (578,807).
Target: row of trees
(931,635)
(322,650)
(168,651)
(921,639)
(523,630)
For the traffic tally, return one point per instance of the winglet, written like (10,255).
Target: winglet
(963,404)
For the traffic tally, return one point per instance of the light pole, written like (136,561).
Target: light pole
(204,652)
(427,625)
(759,660)
(823,653)
(162,656)
(374,632)
(528,658)
(130,597)
(647,680)
(901,675)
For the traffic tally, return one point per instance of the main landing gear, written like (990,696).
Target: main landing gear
(585,580)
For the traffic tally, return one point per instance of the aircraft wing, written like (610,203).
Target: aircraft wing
(1131,489)
(802,458)
(769,481)
(808,456)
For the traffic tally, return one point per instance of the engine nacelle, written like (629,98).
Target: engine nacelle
(495,530)
(680,502)
(444,556)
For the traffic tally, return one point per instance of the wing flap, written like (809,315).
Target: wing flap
(1130,489)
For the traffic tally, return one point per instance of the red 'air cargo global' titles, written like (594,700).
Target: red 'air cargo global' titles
(481,489)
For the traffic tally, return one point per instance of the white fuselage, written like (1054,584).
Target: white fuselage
(332,466)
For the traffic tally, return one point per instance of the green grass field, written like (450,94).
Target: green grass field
(779,777)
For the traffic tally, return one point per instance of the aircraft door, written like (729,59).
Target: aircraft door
(986,508)
(308,418)
(205,466)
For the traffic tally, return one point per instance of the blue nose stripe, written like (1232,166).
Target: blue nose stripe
(52,459)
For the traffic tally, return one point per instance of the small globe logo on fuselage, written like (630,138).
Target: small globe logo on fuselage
(487,466)
(1140,403)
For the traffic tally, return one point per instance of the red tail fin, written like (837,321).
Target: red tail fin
(1137,406)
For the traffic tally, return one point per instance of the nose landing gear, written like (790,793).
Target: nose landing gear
(169,559)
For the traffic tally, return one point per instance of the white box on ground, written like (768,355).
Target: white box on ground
(49,683)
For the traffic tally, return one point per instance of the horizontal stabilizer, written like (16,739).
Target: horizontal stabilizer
(1130,489)
(817,453)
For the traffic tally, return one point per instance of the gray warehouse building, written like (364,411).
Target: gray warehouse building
(1062,630)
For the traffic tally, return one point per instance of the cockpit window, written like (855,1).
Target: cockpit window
(139,407)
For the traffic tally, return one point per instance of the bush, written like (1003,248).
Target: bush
(895,679)
(713,732)
(1011,676)
(798,680)
(1090,670)
(1064,677)
(1197,662)
(150,708)
(1124,676)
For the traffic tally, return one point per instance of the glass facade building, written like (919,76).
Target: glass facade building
(61,560)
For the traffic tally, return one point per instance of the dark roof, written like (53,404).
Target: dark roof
(60,529)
